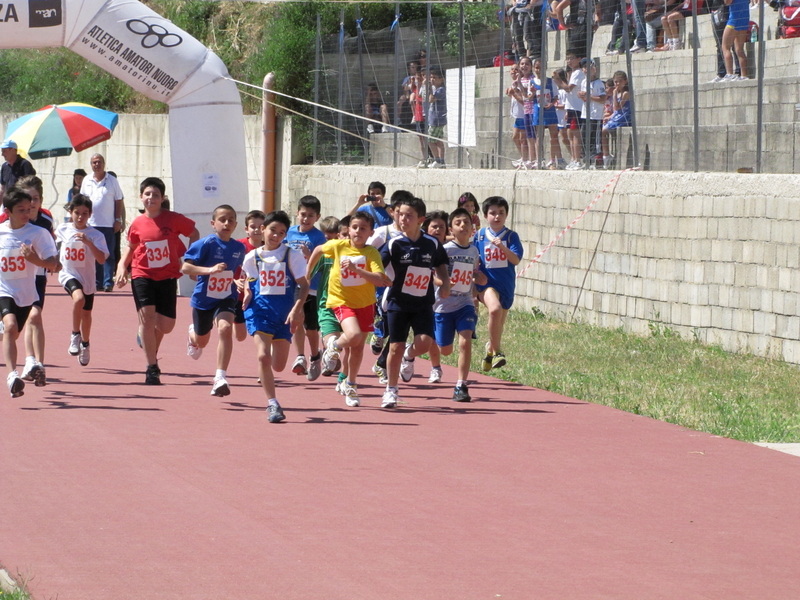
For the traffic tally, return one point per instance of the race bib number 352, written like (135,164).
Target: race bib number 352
(272,279)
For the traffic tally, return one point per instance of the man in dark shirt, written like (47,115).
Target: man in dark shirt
(14,167)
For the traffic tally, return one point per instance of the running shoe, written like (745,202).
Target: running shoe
(275,413)
(377,344)
(389,399)
(74,344)
(83,354)
(314,367)
(38,374)
(192,349)
(498,360)
(351,395)
(436,375)
(407,366)
(299,366)
(486,365)
(461,394)
(26,371)
(220,387)
(152,376)
(330,356)
(15,385)
(383,378)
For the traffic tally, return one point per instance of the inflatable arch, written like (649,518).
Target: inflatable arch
(156,58)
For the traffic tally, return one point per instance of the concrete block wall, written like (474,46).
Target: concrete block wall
(713,256)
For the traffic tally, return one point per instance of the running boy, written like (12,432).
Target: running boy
(328,323)
(154,254)
(355,272)
(255,239)
(500,250)
(305,237)
(456,313)
(272,310)
(409,260)
(81,248)
(214,260)
(22,244)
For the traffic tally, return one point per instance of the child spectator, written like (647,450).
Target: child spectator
(34,334)
(621,117)
(373,203)
(518,113)
(154,254)
(435,225)
(438,119)
(305,237)
(596,101)
(456,314)
(255,239)
(273,302)
(214,261)
(560,104)
(574,106)
(522,90)
(546,115)
(78,176)
(409,259)
(355,272)
(21,243)
(734,37)
(469,202)
(81,246)
(500,251)
(328,323)
(419,93)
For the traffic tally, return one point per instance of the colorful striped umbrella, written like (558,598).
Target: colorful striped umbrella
(56,129)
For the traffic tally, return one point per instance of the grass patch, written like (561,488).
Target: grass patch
(660,376)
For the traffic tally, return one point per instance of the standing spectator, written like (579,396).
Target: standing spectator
(375,108)
(438,119)
(640,45)
(103,190)
(404,108)
(518,112)
(14,167)
(735,36)
(719,19)
(546,115)
(575,24)
(621,117)
(573,105)
(595,101)
(373,202)
(77,180)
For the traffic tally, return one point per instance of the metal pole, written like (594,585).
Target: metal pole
(589,144)
(316,87)
(502,91)
(360,41)
(460,82)
(542,86)
(626,40)
(695,88)
(427,79)
(760,106)
(340,105)
(396,83)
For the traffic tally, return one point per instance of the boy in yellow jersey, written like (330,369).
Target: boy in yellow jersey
(355,272)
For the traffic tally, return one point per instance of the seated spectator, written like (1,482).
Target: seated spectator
(655,11)
(616,45)
(375,108)
(621,116)
(671,23)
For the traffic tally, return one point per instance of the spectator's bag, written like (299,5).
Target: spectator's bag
(790,18)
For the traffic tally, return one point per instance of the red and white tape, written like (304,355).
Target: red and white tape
(575,220)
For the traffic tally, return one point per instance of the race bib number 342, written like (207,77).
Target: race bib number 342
(416,281)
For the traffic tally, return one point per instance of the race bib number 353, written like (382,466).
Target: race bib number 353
(416,281)
(12,263)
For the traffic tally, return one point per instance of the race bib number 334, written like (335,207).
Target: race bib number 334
(157,254)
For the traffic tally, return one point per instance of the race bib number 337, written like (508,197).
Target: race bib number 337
(219,285)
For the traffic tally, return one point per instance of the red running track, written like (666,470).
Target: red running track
(115,490)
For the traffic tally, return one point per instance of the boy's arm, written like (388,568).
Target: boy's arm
(52,263)
(312,262)
(124,263)
(478,276)
(295,318)
(98,254)
(377,279)
(193,270)
(440,272)
(248,294)
(194,236)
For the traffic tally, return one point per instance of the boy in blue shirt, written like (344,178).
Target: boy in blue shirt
(501,251)
(410,261)
(274,296)
(305,237)
(214,260)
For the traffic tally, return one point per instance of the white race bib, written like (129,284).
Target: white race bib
(219,285)
(272,278)
(157,254)
(12,263)
(74,252)
(494,257)
(461,277)
(350,279)
(416,281)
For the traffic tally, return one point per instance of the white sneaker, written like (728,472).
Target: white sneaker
(406,367)
(436,375)
(550,164)
(635,49)
(15,384)
(83,355)
(517,163)
(314,368)
(350,395)
(742,78)
(389,399)
(717,79)
(436,165)
(299,366)
(422,164)
(220,387)
(383,378)
(330,356)
(26,371)
(730,78)
(341,387)
(38,374)
(74,344)
(192,350)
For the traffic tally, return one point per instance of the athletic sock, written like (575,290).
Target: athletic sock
(315,357)
(30,360)
(342,377)
(220,374)
(273,402)
(460,382)
(85,344)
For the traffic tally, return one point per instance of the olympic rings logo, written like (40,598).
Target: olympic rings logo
(153,35)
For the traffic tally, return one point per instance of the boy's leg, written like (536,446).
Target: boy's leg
(147,333)
(10,335)
(78,301)
(263,344)
(224,322)
(280,354)
(300,366)
(497,318)
(34,335)
(393,360)
(464,353)
(85,323)
(352,338)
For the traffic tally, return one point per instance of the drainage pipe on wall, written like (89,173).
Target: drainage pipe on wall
(268,154)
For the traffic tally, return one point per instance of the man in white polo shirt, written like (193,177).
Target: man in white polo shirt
(107,209)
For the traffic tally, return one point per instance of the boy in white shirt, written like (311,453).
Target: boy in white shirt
(21,246)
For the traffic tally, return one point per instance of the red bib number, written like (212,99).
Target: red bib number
(350,279)
(495,257)
(12,263)
(461,278)
(157,254)
(416,281)
(219,285)
(74,252)
(272,279)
